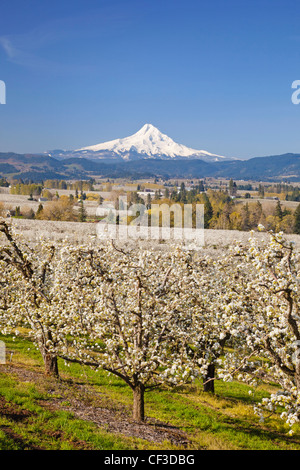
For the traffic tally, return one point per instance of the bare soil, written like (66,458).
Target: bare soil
(86,404)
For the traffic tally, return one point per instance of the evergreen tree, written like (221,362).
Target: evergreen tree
(148,203)
(278,211)
(200,187)
(256,215)
(232,188)
(39,211)
(82,214)
(261,191)
(182,194)
(208,211)
(297,220)
(224,219)
(245,217)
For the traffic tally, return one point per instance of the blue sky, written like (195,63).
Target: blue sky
(213,75)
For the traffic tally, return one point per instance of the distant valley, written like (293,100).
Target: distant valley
(146,154)
(39,167)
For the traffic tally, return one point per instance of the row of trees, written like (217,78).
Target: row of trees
(61,209)
(284,191)
(223,212)
(76,185)
(36,189)
(161,318)
(27,189)
(220,211)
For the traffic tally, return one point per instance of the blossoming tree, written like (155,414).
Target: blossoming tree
(131,315)
(155,317)
(149,317)
(271,322)
(31,294)
(216,314)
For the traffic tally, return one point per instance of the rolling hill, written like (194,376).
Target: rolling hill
(40,167)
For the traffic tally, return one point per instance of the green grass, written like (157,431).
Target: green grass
(223,421)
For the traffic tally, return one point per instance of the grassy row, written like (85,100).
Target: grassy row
(224,421)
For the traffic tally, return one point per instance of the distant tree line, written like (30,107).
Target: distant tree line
(61,209)
(223,208)
(223,211)
(20,187)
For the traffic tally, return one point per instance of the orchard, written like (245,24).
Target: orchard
(160,318)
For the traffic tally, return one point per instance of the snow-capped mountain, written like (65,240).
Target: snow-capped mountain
(147,143)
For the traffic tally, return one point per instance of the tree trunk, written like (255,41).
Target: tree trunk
(297,368)
(138,402)
(50,359)
(208,381)
(51,366)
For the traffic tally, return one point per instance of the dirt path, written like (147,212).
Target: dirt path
(85,404)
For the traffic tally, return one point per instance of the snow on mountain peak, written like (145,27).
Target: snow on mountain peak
(147,128)
(150,142)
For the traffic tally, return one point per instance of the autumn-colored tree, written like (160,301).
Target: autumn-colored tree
(63,209)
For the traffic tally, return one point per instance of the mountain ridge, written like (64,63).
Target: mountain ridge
(285,167)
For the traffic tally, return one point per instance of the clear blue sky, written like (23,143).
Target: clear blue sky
(213,75)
